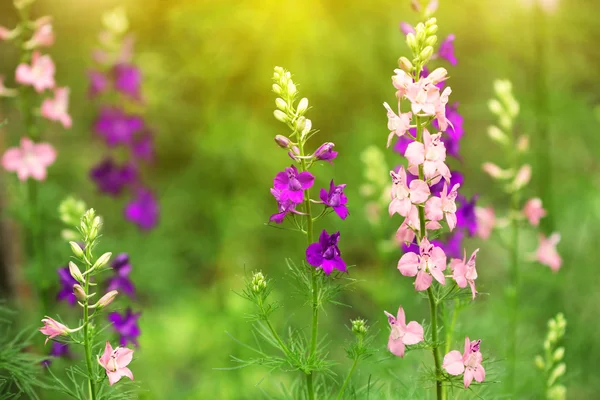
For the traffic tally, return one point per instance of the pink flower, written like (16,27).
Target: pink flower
(56,109)
(440,110)
(438,207)
(411,224)
(430,262)
(30,160)
(523,177)
(40,74)
(468,363)
(397,124)
(423,97)
(53,328)
(403,196)
(115,363)
(44,34)
(407,28)
(534,211)
(546,252)
(401,81)
(464,271)
(432,154)
(486,219)
(402,334)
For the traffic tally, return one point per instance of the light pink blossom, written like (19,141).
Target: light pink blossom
(546,252)
(534,211)
(440,110)
(401,82)
(423,97)
(407,28)
(432,154)
(44,34)
(40,74)
(115,363)
(523,177)
(436,76)
(56,109)
(403,196)
(430,262)
(402,334)
(437,208)
(397,124)
(468,363)
(486,220)
(411,224)
(464,272)
(29,160)
(53,328)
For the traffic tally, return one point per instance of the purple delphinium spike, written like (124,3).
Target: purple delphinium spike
(111,178)
(325,254)
(128,79)
(446,50)
(126,325)
(465,214)
(336,199)
(143,210)
(120,281)
(117,127)
(66,282)
(292,184)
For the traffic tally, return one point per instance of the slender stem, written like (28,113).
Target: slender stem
(88,342)
(347,380)
(450,330)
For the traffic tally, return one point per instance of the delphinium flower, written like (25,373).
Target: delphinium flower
(30,160)
(126,325)
(467,364)
(401,333)
(324,267)
(513,180)
(434,208)
(551,362)
(113,361)
(120,280)
(117,84)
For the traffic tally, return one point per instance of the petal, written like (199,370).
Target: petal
(401,318)
(45,154)
(423,281)
(453,363)
(126,372)
(124,356)
(281,181)
(106,355)
(451,219)
(323,195)
(12,159)
(419,191)
(438,257)
(408,264)
(413,333)
(433,209)
(467,347)
(341,211)
(479,373)
(415,153)
(468,378)
(438,275)
(306,179)
(113,377)
(314,255)
(400,206)
(296,196)
(396,346)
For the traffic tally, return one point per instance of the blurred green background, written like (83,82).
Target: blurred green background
(207,68)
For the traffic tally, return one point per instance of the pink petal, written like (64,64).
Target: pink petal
(396,346)
(423,281)
(433,209)
(415,153)
(401,318)
(468,378)
(45,154)
(419,191)
(113,376)
(12,159)
(413,333)
(106,355)
(451,219)
(467,347)
(453,363)
(438,257)
(408,264)
(126,372)
(124,356)
(400,206)
(479,374)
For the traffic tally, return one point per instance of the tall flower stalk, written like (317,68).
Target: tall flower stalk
(414,197)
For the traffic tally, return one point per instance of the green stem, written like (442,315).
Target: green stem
(88,342)
(347,380)
(450,330)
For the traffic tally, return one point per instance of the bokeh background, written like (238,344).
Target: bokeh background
(207,68)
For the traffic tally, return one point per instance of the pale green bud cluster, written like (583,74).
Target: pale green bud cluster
(258,283)
(286,109)
(359,327)
(505,106)
(70,212)
(421,43)
(552,362)
(90,226)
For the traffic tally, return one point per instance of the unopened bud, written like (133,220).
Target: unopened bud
(300,123)
(495,107)
(523,143)
(431,40)
(76,249)
(359,327)
(291,88)
(106,299)
(558,392)
(559,353)
(325,152)
(539,362)
(280,116)
(306,129)
(258,283)
(281,104)
(79,292)
(522,178)
(102,261)
(431,8)
(294,153)
(282,141)
(497,135)
(276,88)
(557,373)
(411,41)
(496,172)
(416,5)
(426,54)
(75,272)
(437,75)
(405,64)
(421,35)
(302,106)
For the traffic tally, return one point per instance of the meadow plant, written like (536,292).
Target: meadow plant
(117,82)
(514,179)
(425,194)
(323,274)
(551,362)
(102,361)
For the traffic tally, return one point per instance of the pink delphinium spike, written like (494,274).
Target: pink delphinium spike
(40,74)
(115,363)
(56,109)
(29,160)
(401,333)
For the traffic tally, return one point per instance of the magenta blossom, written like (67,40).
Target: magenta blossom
(404,195)
(143,210)
(117,127)
(325,153)
(98,83)
(292,184)
(430,262)
(29,160)
(468,363)
(285,207)
(336,199)
(325,254)
(126,325)
(115,363)
(437,208)
(128,79)
(402,334)
(464,271)
(446,50)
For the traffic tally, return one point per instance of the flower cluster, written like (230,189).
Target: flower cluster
(514,178)
(551,363)
(35,75)
(115,77)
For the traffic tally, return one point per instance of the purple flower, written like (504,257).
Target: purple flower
(452,137)
(292,184)
(128,80)
(284,206)
(98,83)
(57,350)
(325,153)
(335,199)
(325,254)
(111,178)
(126,325)
(143,210)
(452,246)
(143,147)
(465,214)
(66,282)
(117,127)
(456,177)
(446,50)
(120,281)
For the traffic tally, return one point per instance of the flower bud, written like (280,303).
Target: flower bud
(75,272)
(300,124)
(102,261)
(431,22)
(557,373)
(280,116)
(496,172)
(276,88)
(291,89)
(405,64)
(497,135)
(559,353)
(278,72)
(411,41)
(431,8)
(325,152)
(539,362)
(495,107)
(258,283)
(294,153)
(437,75)
(522,178)
(431,40)
(558,392)
(306,129)
(76,249)
(106,299)
(302,106)
(359,327)
(79,292)
(416,5)
(281,104)
(426,54)
(282,141)
(421,35)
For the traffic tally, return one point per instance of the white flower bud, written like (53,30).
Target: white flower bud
(281,104)
(523,144)
(76,249)
(75,272)
(79,292)
(291,89)
(539,362)
(102,261)
(276,88)
(426,54)
(431,41)
(557,373)
(405,64)
(411,41)
(495,107)
(302,106)
(280,116)
(106,299)
(559,353)
(497,135)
